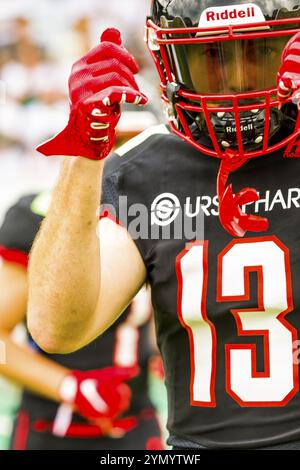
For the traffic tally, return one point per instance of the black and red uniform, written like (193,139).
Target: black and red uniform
(127,342)
(227,310)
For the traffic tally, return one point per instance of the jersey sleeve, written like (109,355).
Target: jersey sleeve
(110,189)
(18,231)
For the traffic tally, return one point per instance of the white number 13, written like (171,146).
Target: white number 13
(267,256)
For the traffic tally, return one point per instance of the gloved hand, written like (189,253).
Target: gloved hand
(97,395)
(288,78)
(99,83)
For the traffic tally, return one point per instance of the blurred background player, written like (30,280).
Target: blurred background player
(42,422)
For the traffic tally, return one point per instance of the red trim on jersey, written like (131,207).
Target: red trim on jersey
(106,214)
(261,307)
(22,430)
(212,403)
(14,256)
(89,430)
(241,332)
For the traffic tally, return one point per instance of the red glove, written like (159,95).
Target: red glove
(96,395)
(288,78)
(99,83)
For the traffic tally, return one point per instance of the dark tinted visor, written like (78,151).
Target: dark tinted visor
(226,67)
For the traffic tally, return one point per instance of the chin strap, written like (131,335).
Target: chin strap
(233,219)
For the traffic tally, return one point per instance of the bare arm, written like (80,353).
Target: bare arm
(78,289)
(19,363)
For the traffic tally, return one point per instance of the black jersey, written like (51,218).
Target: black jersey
(227,310)
(126,343)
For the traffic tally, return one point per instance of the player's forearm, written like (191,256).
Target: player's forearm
(30,370)
(64,273)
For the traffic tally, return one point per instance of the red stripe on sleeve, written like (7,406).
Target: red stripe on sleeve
(14,256)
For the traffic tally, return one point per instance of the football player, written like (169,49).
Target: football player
(226,302)
(78,401)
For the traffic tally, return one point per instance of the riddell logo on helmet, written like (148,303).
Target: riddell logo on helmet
(248,127)
(231,15)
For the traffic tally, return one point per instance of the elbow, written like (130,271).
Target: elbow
(51,342)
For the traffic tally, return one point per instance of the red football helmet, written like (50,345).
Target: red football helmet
(218,61)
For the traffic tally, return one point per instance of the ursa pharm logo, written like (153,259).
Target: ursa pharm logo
(231,15)
(164,210)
